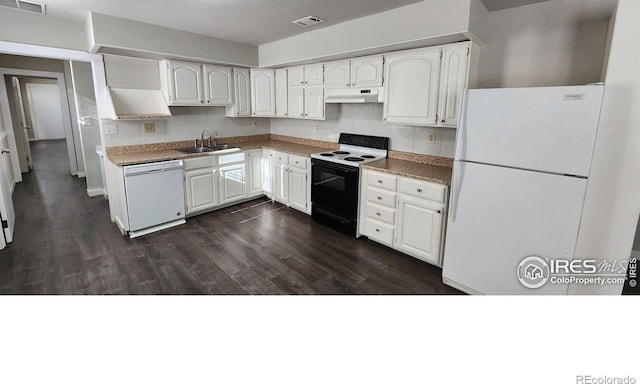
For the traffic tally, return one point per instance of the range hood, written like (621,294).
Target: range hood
(138,104)
(350,95)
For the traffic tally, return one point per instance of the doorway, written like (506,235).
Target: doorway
(45,111)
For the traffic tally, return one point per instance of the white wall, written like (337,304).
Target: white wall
(187,124)
(116,32)
(558,42)
(424,23)
(366,119)
(29,28)
(85,106)
(612,204)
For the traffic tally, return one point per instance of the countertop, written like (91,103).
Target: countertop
(121,159)
(428,172)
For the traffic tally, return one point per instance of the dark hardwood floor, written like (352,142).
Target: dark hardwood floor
(64,243)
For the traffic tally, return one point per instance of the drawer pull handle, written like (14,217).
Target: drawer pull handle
(377,230)
(379,181)
(420,190)
(378,214)
(379,198)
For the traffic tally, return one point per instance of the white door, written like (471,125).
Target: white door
(186,83)
(6,180)
(232,183)
(295,76)
(24,128)
(337,74)
(314,74)
(219,85)
(419,229)
(453,80)
(550,129)
(366,71)
(499,216)
(263,95)
(201,189)
(314,103)
(254,187)
(242,91)
(411,86)
(298,189)
(46,111)
(296,102)
(281,92)
(281,183)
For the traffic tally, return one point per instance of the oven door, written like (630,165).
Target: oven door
(335,188)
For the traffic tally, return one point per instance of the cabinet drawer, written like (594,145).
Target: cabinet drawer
(382,180)
(200,162)
(381,213)
(380,232)
(379,196)
(424,189)
(282,158)
(298,161)
(231,158)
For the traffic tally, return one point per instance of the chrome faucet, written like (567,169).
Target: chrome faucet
(215,137)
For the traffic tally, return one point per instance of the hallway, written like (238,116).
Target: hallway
(64,243)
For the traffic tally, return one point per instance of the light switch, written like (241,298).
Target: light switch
(110,129)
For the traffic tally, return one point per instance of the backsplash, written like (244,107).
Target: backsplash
(366,119)
(187,124)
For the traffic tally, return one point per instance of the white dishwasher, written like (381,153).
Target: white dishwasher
(155,196)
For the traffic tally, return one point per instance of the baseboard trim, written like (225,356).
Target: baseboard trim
(93,192)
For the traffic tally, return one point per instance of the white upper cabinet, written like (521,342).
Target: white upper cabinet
(295,76)
(453,80)
(184,85)
(337,74)
(411,86)
(314,74)
(193,84)
(314,103)
(263,95)
(242,94)
(219,85)
(295,102)
(361,72)
(281,92)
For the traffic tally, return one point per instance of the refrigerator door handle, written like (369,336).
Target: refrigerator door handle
(461,145)
(455,186)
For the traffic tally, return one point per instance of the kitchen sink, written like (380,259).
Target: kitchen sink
(213,148)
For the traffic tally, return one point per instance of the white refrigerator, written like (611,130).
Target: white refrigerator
(519,180)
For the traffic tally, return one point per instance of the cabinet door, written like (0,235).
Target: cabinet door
(295,102)
(263,95)
(281,92)
(366,71)
(295,76)
(298,189)
(337,75)
(267,173)
(242,91)
(254,186)
(411,86)
(314,74)
(232,183)
(185,83)
(419,230)
(218,85)
(281,183)
(453,80)
(314,103)
(201,189)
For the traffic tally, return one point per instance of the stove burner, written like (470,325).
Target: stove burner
(354,159)
(342,152)
(368,157)
(326,154)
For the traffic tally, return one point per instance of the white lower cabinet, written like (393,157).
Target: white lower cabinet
(201,184)
(291,181)
(232,183)
(404,213)
(254,173)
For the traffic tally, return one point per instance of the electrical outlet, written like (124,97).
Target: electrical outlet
(431,138)
(254,123)
(317,126)
(149,127)
(110,129)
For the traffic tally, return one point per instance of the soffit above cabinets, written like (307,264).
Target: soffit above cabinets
(496,5)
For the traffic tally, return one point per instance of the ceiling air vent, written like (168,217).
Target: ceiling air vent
(308,21)
(22,5)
